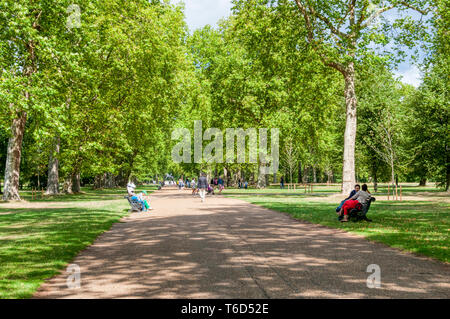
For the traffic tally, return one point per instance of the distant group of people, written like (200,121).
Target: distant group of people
(358,197)
(242,184)
(202,187)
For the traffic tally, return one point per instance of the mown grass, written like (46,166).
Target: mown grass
(419,227)
(406,190)
(87,194)
(37,243)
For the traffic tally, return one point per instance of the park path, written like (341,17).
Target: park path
(227,248)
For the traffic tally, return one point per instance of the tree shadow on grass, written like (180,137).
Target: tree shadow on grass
(419,227)
(37,243)
(87,194)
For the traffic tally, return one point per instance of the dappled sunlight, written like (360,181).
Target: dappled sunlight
(35,243)
(226,248)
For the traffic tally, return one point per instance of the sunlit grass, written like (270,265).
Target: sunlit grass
(87,194)
(35,244)
(406,190)
(418,227)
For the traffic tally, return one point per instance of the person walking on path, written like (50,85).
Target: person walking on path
(202,186)
(194,187)
(282,182)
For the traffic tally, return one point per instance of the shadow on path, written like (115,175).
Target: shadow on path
(226,248)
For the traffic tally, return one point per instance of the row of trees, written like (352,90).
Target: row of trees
(262,68)
(91,93)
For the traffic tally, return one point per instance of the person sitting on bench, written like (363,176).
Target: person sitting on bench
(352,193)
(361,197)
(138,198)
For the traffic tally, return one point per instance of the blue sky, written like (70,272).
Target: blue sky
(202,12)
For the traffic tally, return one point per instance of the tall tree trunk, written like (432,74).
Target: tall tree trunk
(314,174)
(305,175)
(110,180)
(261,179)
(122,181)
(98,181)
(329,176)
(68,183)
(300,172)
(236,177)
(375,181)
(447,182)
(225,176)
(14,155)
(423,181)
(392,172)
(348,174)
(76,186)
(53,170)
(374,172)
(447,186)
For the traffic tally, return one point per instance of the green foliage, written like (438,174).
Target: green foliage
(428,123)
(113,89)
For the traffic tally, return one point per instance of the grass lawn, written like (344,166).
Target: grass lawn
(422,227)
(407,190)
(36,243)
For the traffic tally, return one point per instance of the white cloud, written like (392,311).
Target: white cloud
(410,75)
(202,12)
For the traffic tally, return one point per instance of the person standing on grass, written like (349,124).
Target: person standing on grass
(282,182)
(221,184)
(202,186)
(361,197)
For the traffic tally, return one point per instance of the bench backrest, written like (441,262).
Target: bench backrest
(135,205)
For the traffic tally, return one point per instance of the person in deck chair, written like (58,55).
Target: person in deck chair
(131,187)
(360,197)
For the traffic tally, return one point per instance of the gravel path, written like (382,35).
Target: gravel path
(227,248)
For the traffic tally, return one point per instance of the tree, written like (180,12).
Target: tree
(428,124)
(290,158)
(30,29)
(255,78)
(341,32)
(428,127)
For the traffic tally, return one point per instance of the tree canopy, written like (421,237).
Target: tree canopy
(91,92)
